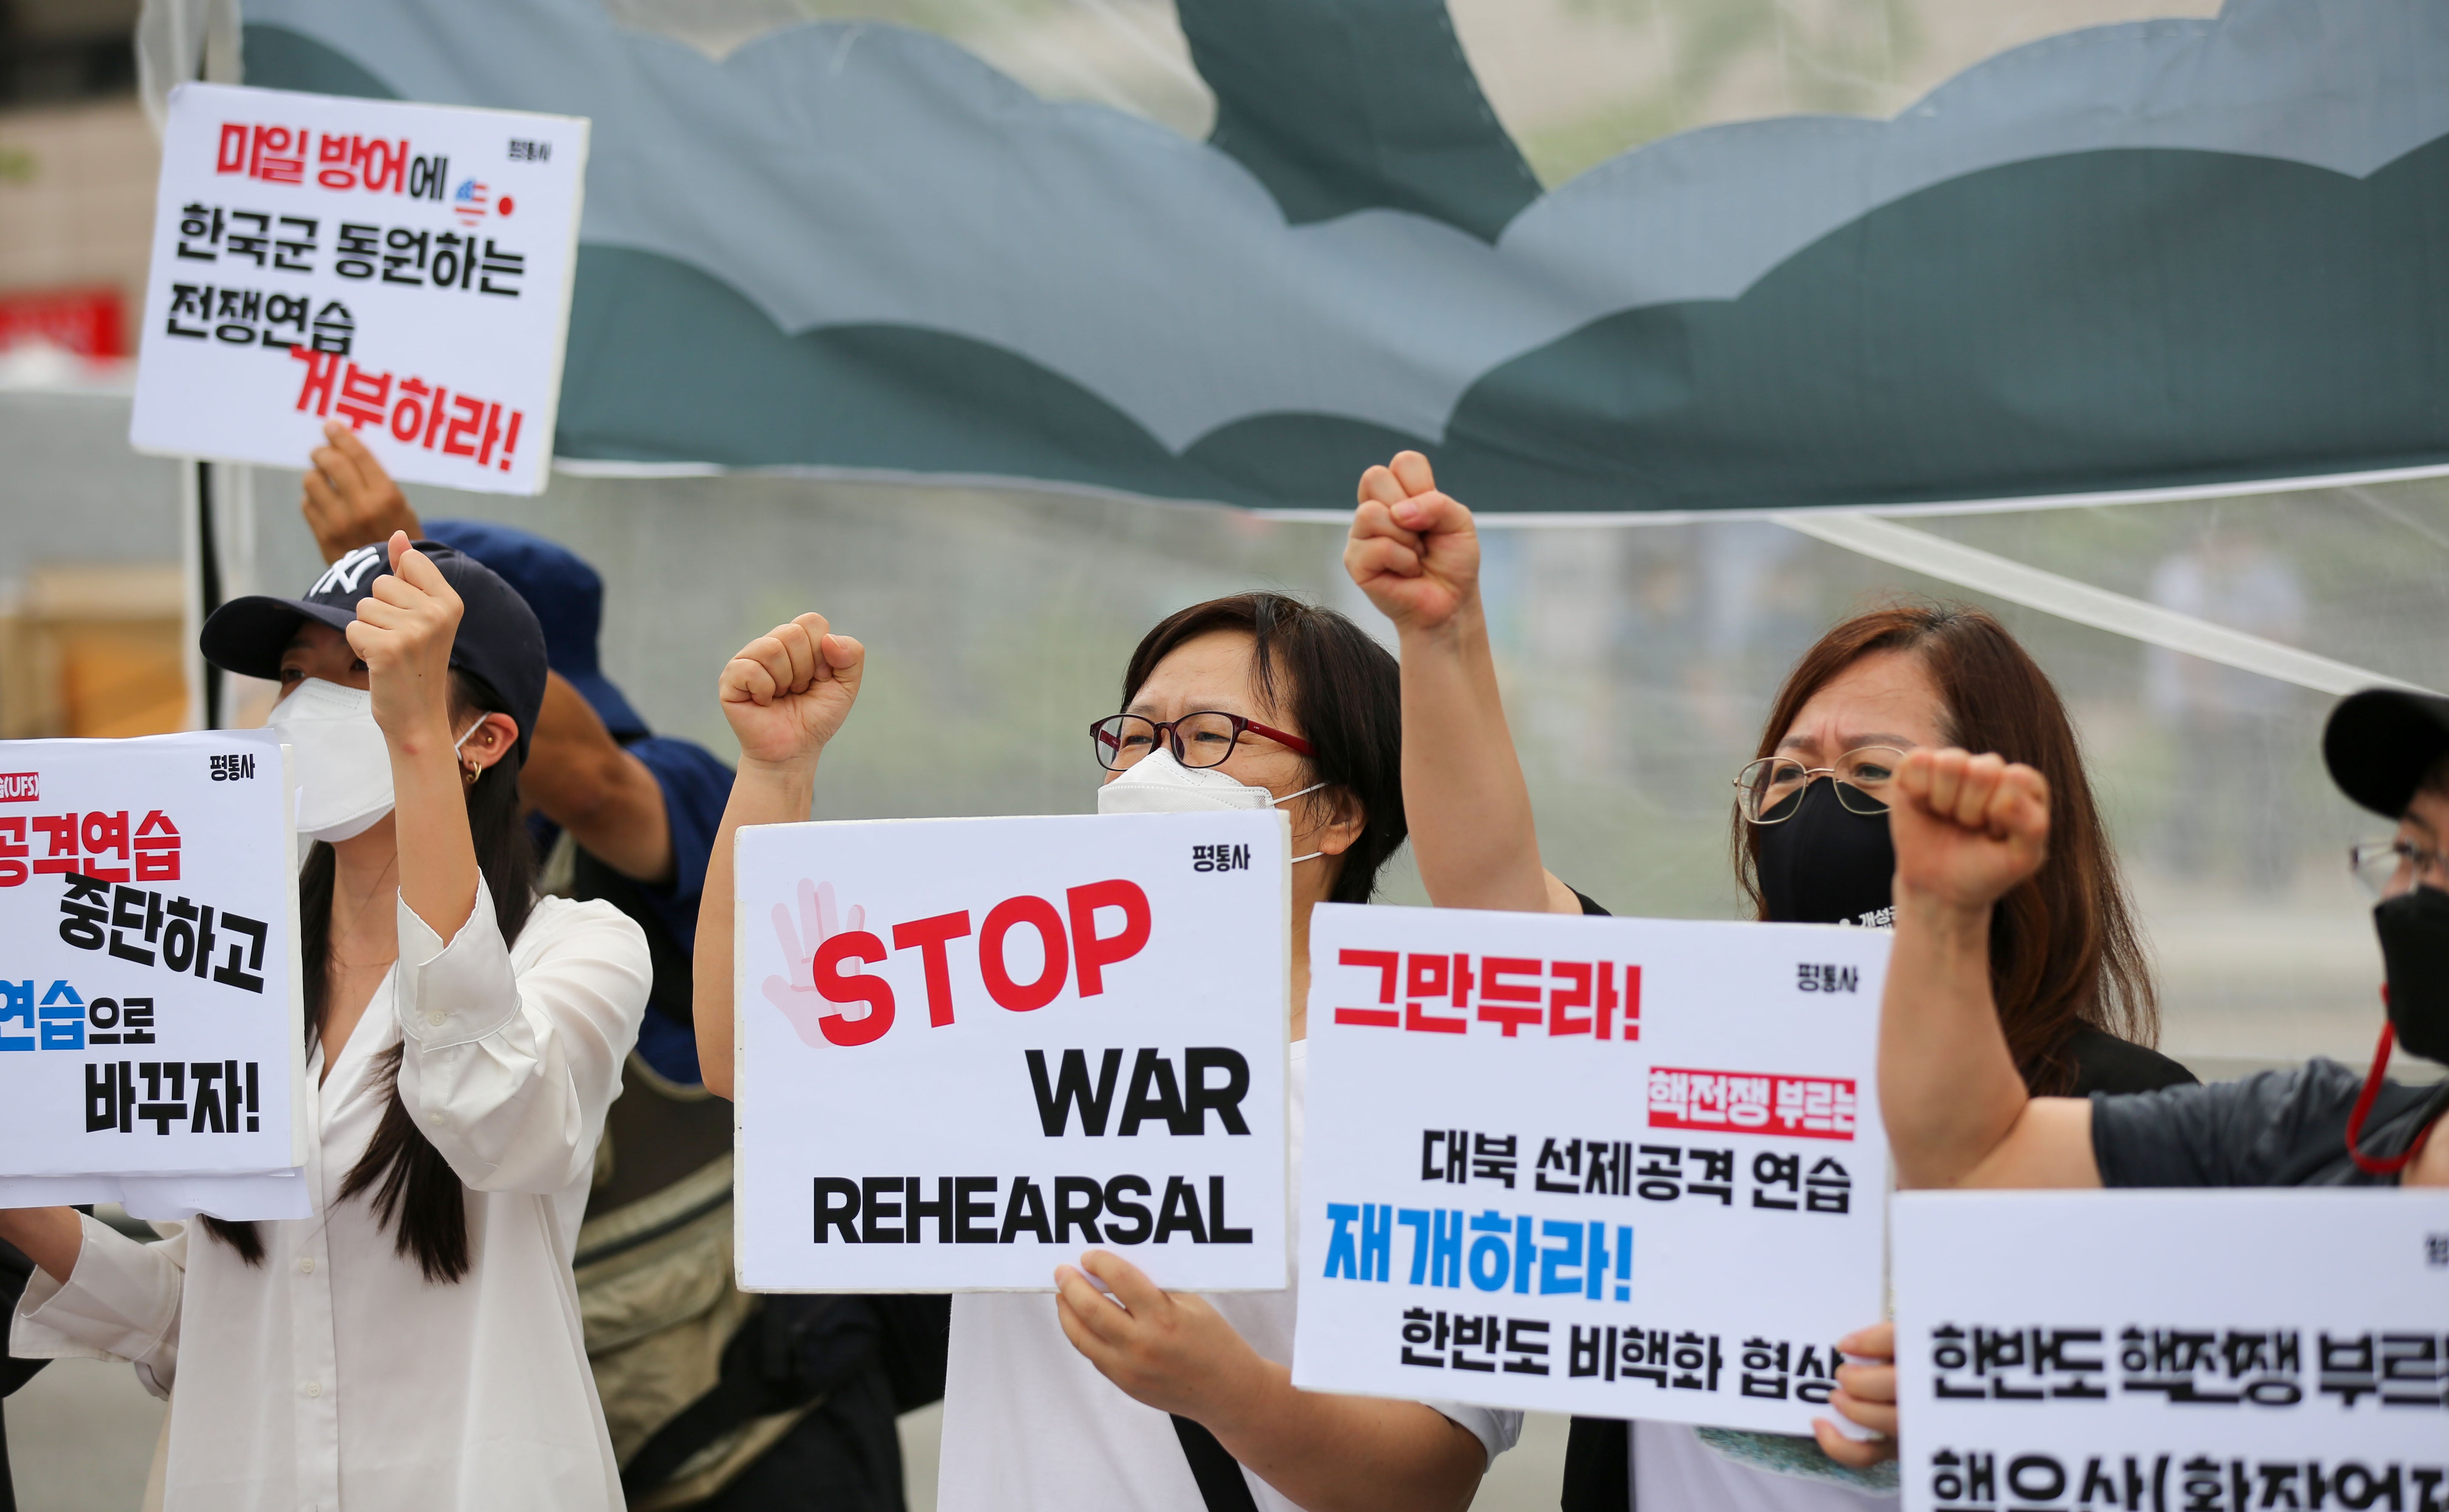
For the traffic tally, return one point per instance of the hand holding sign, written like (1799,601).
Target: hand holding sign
(788,691)
(1968,828)
(1171,1351)
(349,500)
(1412,550)
(1866,1393)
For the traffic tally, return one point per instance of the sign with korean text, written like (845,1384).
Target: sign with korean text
(151,1019)
(2174,1351)
(1623,1168)
(970,1049)
(402,268)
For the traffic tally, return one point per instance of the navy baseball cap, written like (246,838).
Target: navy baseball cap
(2381,744)
(499,641)
(568,597)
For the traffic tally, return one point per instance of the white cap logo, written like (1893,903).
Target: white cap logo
(345,574)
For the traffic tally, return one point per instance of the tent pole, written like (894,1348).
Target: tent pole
(208,588)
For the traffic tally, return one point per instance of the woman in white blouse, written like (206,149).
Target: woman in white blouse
(415,1342)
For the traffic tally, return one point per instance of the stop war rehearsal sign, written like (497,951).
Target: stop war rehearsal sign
(1623,1168)
(150,1016)
(2174,1351)
(402,268)
(968,1049)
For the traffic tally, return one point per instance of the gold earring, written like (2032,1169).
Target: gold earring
(472,772)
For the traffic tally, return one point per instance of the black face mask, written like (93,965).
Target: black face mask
(2414,928)
(1826,864)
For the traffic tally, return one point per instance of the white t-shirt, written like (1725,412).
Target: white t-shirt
(1031,1426)
(1673,1471)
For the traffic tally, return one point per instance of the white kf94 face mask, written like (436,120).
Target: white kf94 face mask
(343,763)
(1157,784)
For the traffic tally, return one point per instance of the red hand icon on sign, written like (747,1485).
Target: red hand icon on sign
(797,997)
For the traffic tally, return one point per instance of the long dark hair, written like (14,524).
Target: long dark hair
(2064,951)
(1342,689)
(413,1189)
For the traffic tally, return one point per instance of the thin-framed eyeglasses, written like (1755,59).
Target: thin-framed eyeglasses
(1201,738)
(1769,789)
(2386,868)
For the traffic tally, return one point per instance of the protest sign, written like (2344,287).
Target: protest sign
(968,1049)
(1625,1168)
(403,268)
(150,1014)
(2154,1351)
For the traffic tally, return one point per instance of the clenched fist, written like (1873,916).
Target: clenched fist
(403,634)
(1412,551)
(1968,828)
(788,691)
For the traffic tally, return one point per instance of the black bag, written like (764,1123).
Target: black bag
(1219,1474)
(796,1350)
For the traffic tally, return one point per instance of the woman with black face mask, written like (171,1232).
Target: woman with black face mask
(1810,846)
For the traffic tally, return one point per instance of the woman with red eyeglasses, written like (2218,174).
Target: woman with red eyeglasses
(1146,1399)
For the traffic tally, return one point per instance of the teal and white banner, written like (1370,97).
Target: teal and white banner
(2154,254)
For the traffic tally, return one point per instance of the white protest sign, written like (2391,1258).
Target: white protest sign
(150,1014)
(968,1049)
(1625,1168)
(404,268)
(241,1196)
(2174,1351)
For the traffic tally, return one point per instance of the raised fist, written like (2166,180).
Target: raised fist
(403,633)
(1968,828)
(787,692)
(1413,551)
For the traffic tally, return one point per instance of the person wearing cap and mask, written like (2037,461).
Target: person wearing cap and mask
(621,814)
(1146,1399)
(1811,846)
(715,1399)
(1970,829)
(416,1342)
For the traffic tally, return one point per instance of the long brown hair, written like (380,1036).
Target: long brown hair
(2064,951)
(415,1190)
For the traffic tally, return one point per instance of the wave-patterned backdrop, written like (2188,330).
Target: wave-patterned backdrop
(2153,254)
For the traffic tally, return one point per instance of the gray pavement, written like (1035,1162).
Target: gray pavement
(81,1440)
(81,1437)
